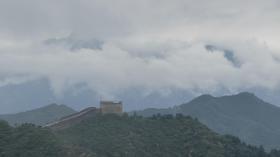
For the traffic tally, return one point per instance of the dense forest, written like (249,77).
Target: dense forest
(28,140)
(121,136)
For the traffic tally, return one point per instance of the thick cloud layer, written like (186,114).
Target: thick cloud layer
(165,66)
(152,45)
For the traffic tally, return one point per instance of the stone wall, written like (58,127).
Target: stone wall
(111,107)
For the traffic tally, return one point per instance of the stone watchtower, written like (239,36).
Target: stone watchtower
(111,107)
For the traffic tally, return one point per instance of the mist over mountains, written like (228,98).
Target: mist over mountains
(17,98)
(181,65)
(20,97)
(174,48)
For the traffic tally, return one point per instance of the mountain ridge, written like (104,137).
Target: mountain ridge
(244,115)
(39,116)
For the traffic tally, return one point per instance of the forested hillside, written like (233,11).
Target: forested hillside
(243,115)
(28,140)
(124,136)
(164,136)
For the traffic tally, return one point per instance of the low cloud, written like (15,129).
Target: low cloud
(186,66)
(153,45)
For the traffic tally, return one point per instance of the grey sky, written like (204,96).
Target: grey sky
(155,45)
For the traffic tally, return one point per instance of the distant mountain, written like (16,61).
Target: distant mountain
(243,115)
(20,97)
(40,116)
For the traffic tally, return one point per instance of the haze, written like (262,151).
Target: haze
(148,53)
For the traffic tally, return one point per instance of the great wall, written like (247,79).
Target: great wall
(106,107)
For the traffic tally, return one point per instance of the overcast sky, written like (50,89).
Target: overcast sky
(157,45)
